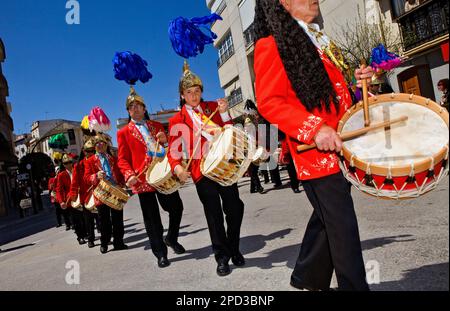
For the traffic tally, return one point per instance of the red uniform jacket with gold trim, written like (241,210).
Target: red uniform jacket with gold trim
(52,188)
(63,187)
(132,155)
(278,103)
(78,186)
(175,146)
(92,166)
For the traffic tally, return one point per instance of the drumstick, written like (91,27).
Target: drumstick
(353,134)
(147,166)
(200,139)
(365,97)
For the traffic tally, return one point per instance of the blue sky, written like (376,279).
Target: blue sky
(56,70)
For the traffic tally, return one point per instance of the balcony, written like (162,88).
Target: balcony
(249,36)
(424,24)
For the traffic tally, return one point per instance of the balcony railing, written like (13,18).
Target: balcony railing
(249,36)
(426,23)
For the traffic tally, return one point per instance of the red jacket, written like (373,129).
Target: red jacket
(63,182)
(78,186)
(52,188)
(278,103)
(92,166)
(132,156)
(175,147)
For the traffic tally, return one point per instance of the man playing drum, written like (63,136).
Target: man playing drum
(104,166)
(303,91)
(184,132)
(137,149)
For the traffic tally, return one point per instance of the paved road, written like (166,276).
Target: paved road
(408,241)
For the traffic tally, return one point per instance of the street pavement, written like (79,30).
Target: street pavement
(405,247)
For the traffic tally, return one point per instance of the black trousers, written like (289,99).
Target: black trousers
(89,225)
(172,204)
(79,223)
(331,240)
(292,174)
(111,222)
(67,216)
(255,183)
(274,176)
(153,224)
(58,212)
(224,243)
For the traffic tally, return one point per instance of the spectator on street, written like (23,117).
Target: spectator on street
(443,88)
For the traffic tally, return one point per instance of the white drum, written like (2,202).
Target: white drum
(404,161)
(77,204)
(160,177)
(261,155)
(229,156)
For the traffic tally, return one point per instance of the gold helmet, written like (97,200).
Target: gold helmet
(89,145)
(376,80)
(134,97)
(189,79)
(100,137)
(67,159)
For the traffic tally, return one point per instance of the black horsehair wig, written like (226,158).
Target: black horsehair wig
(299,55)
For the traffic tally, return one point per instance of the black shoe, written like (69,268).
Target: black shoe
(177,247)
(120,247)
(238,260)
(163,262)
(223,269)
(103,249)
(81,241)
(261,190)
(67,228)
(278,186)
(91,244)
(253,191)
(307,287)
(58,225)
(296,190)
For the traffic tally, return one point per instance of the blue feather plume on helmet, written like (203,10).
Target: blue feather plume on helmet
(187,37)
(130,67)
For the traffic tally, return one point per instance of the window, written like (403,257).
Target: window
(221,7)
(72,140)
(226,49)
(235,97)
(249,35)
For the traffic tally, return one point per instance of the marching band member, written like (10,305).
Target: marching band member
(193,114)
(299,72)
(104,166)
(79,187)
(137,149)
(52,190)
(63,180)
(66,196)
